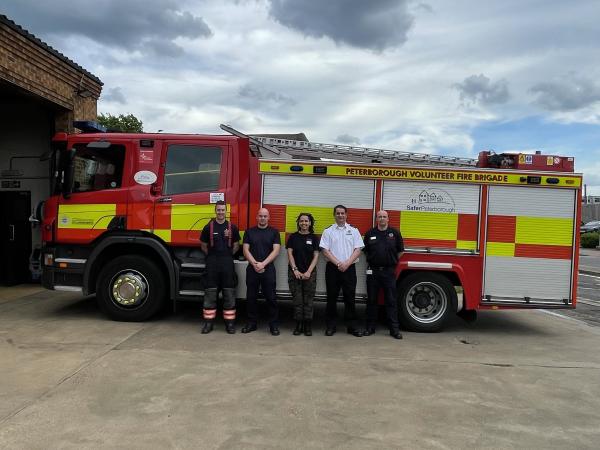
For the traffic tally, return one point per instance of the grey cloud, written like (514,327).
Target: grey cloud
(570,94)
(371,25)
(249,92)
(480,89)
(162,48)
(114,95)
(426,7)
(347,139)
(131,25)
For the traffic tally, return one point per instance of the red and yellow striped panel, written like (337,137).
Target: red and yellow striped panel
(85,222)
(501,228)
(436,229)
(283,217)
(182,223)
(530,237)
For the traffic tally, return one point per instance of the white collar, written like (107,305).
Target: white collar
(345,227)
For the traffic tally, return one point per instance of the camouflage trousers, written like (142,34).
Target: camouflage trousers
(303,295)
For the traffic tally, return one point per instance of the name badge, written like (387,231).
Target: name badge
(373,238)
(309,242)
(369,272)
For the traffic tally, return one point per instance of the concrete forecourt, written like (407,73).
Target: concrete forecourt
(72,379)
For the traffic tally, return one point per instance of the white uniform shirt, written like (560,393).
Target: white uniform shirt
(341,241)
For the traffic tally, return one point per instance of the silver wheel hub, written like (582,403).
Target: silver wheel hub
(426,302)
(129,288)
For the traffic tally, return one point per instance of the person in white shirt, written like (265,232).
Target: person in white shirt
(341,244)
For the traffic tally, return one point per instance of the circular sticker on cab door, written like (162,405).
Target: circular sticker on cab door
(144,177)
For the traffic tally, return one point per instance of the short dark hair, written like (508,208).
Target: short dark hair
(220,202)
(311,219)
(340,206)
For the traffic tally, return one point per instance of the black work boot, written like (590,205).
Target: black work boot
(307,328)
(299,328)
(230,326)
(369,331)
(207,327)
(396,334)
(249,328)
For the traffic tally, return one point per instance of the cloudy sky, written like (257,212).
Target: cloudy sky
(449,77)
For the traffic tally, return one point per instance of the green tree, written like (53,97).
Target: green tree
(125,123)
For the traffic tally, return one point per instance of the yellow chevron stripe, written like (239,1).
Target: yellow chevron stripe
(429,225)
(544,231)
(323,217)
(165,235)
(500,249)
(186,217)
(88,216)
(466,245)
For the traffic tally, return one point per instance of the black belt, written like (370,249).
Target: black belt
(381,267)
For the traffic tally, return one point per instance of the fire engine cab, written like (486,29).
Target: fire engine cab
(125,218)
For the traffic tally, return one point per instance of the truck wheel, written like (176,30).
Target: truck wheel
(425,301)
(131,289)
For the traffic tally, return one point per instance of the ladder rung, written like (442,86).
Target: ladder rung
(288,148)
(303,148)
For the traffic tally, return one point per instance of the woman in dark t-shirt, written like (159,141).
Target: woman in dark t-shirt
(303,253)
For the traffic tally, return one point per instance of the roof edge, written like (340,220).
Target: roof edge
(23,32)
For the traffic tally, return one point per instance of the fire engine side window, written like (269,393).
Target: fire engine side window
(192,168)
(97,169)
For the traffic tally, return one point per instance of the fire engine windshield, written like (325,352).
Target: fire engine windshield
(97,169)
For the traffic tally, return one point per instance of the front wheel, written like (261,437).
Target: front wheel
(131,288)
(425,301)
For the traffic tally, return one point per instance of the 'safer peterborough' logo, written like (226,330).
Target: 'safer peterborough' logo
(432,200)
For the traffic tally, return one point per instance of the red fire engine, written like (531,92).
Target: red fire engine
(124,221)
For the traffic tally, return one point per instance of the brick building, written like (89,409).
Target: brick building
(41,92)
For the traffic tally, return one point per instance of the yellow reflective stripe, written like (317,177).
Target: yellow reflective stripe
(408,173)
(429,225)
(191,217)
(500,249)
(544,231)
(323,217)
(88,216)
(93,207)
(468,245)
(165,235)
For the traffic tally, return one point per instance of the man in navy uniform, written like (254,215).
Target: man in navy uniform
(383,247)
(261,246)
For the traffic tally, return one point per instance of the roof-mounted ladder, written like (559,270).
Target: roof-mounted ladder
(285,148)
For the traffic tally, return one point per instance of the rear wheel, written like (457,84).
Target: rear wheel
(425,300)
(131,288)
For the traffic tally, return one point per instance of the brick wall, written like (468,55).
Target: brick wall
(32,67)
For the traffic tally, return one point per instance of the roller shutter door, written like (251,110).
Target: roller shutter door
(434,215)
(290,195)
(529,245)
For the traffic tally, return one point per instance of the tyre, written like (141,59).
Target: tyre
(425,301)
(131,288)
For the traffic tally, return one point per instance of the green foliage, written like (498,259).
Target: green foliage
(125,123)
(589,240)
